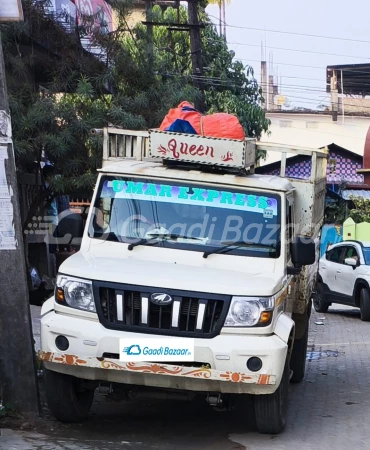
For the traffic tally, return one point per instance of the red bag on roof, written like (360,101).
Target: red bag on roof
(220,125)
(184,111)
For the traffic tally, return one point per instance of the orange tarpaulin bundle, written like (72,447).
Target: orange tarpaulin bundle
(184,111)
(220,125)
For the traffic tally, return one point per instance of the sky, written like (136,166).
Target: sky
(304,86)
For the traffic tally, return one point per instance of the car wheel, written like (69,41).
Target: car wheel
(66,399)
(271,410)
(319,299)
(365,305)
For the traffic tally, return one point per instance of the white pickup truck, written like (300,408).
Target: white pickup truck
(184,243)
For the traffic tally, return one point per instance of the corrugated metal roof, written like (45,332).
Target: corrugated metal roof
(355,193)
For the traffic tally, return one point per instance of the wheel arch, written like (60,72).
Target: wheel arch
(359,285)
(285,329)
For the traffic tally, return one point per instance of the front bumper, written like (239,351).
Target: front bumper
(224,359)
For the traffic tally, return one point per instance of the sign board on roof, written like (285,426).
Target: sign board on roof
(11,11)
(199,149)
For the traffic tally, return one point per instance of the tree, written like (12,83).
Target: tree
(361,211)
(229,85)
(81,92)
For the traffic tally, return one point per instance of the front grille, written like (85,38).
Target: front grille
(128,308)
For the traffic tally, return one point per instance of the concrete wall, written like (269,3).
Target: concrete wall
(316,130)
(354,105)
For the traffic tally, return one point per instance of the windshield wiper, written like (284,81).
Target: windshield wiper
(141,242)
(162,237)
(174,236)
(229,246)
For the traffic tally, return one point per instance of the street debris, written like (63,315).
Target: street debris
(315,355)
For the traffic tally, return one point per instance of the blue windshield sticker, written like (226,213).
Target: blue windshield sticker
(189,195)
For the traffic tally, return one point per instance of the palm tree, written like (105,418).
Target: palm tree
(222,8)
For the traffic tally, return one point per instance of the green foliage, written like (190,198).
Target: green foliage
(336,212)
(361,211)
(125,87)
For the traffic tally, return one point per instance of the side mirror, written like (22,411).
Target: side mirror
(351,262)
(70,228)
(303,251)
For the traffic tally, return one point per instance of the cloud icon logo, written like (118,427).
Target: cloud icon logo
(133,350)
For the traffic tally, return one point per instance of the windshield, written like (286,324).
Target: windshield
(187,216)
(366,251)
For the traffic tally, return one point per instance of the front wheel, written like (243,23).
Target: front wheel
(319,300)
(66,398)
(271,410)
(365,305)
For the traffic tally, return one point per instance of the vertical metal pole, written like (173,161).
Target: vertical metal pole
(149,18)
(17,361)
(220,15)
(196,48)
(342,84)
(334,96)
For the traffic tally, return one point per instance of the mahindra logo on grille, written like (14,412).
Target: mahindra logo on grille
(161,299)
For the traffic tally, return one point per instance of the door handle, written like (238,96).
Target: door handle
(323,267)
(339,271)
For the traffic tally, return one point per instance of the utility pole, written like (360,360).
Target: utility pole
(224,16)
(193,27)
(149,19)
(220,16)
(18,382)
(196,48)
(334,95)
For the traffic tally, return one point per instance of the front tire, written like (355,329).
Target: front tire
(298,358)
(271,410)
(365,305)
(67,400)
(319,300)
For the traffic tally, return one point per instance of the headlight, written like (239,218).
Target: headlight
(250,311)
(75,292)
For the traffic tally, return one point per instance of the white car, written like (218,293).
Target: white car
(344,277)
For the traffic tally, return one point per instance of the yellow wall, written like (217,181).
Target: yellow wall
(356,231)
(349,230)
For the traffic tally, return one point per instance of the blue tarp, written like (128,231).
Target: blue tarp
(181,126)
(330,234)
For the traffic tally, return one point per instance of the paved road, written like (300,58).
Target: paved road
(329,410)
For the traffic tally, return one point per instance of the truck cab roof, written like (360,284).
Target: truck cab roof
(158,170)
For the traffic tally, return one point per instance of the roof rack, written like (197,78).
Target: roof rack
(155,145)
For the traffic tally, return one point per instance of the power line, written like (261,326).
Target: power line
(311,100)
(304,66)
(308,88)
(233,83)
(292,33)
(300,51)
(227,82)
(295,65)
